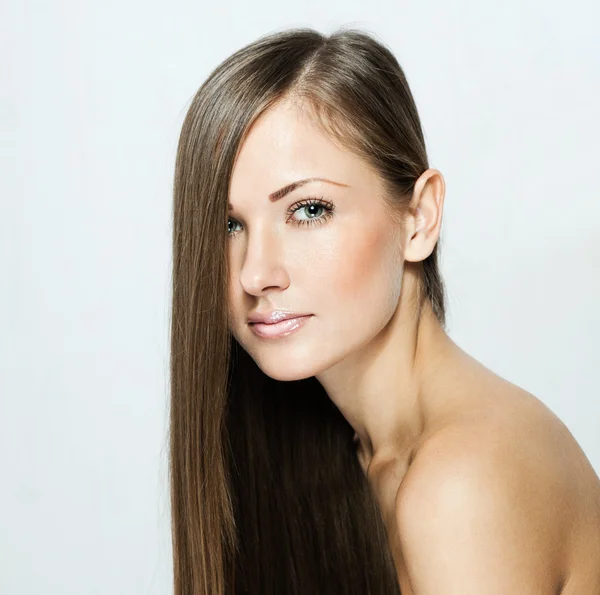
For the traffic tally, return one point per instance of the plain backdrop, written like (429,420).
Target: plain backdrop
(93,95)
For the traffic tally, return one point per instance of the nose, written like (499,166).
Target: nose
(263,266)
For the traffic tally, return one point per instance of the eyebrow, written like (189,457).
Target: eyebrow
(278,194)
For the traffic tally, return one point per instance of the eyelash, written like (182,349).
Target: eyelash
(327,205)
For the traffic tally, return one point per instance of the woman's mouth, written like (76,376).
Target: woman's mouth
(279,329)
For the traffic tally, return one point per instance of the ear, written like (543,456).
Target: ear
(424,223)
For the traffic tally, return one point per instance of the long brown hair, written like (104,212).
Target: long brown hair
(267,495)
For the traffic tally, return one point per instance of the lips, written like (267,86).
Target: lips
(279,329)
(274,317)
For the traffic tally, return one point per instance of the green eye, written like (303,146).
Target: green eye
(310,203)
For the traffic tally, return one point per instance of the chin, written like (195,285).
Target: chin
(283,372)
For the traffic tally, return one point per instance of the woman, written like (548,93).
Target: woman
(327,435)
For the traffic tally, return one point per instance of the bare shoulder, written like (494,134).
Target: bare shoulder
(496,497)
(513,435)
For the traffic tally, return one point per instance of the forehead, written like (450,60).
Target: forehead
(284,145)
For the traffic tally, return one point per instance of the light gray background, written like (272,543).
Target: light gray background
(93,97)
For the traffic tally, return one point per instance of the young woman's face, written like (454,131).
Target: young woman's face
(339,261)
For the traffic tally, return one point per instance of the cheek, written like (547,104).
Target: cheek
(234,306)
(357,287)
(359,266)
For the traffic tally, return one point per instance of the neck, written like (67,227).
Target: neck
(389,391)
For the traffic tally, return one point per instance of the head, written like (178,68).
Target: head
(264,476)
(333,248)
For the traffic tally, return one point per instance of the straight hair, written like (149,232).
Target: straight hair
(267,494)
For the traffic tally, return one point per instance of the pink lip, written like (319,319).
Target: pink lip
(274,316)
(279,329)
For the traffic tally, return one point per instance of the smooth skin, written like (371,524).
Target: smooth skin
(482,488)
